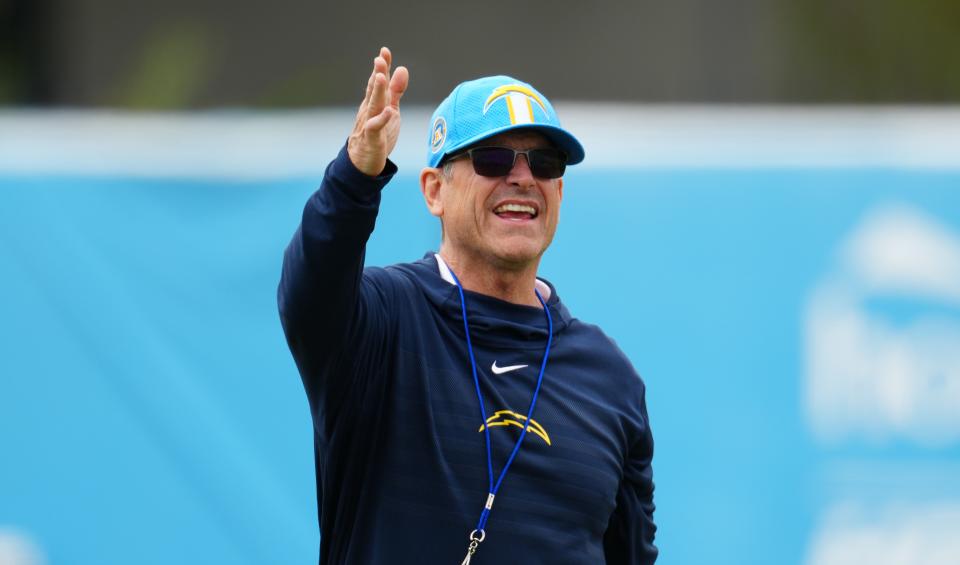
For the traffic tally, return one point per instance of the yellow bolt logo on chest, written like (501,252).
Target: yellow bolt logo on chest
(510,418)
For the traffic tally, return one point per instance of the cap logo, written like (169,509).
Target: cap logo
(518,99)
(438,134)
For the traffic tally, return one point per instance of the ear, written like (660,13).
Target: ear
(560,189)
(431,179)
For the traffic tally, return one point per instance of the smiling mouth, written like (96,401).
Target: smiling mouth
(516,211)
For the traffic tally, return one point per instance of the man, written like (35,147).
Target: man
(461,414)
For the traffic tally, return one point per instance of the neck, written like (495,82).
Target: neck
(514,285)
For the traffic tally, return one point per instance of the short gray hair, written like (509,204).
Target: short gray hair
(446,169)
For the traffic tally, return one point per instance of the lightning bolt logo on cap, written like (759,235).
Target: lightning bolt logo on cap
(519,104)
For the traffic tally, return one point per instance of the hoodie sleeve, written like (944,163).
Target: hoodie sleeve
(325,311)
(630,533)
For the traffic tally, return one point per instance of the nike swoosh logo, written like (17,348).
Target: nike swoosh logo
(501,370)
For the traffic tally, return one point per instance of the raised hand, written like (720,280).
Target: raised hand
(377,127)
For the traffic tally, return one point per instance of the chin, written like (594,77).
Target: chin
(518,254)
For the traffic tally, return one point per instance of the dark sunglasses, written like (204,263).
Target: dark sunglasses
(547,163)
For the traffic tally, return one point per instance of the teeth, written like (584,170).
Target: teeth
(515,208)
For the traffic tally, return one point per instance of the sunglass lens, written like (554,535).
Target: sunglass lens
(499,161)
(492,161)
(547,163)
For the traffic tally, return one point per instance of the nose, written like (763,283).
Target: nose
(520,174)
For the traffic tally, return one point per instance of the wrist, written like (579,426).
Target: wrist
(346,170)
(363,161)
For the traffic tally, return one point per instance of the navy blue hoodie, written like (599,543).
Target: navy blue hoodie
(400,453)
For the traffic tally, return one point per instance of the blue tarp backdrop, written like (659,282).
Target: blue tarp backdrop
(795,327)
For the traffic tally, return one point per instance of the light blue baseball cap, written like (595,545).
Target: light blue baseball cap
(481,108)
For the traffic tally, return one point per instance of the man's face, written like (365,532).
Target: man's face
(490,218)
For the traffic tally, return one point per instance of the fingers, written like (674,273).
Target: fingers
(387,56)
(379,96)
(373,75)
(378,122)
(398,85)
(381,65)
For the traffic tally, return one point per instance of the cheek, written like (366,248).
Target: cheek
(459,214)
(472,204)
(554,203)
(468,203)
(554,220)
(465,207)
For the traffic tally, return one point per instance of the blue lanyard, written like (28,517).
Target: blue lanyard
(478,535)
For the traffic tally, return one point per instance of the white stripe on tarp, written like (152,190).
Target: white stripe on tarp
(271,144)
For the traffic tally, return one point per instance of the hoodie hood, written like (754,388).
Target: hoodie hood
(492,321)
